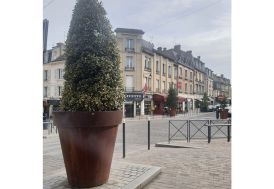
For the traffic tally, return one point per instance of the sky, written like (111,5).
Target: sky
(203,26)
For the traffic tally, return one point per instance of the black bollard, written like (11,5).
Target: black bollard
(124,139)
(217,113)
(148,133)
(209,133)
(228,133)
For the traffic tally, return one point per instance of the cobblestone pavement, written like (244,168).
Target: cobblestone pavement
(207,167)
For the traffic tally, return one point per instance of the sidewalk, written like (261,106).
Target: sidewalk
(206,166)
(157,117)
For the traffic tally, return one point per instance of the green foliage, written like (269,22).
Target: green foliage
(223,103)
(172,98)
(197,103)
(204,103)
(92,74)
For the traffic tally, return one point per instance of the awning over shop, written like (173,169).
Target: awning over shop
(159,98)
(181,99)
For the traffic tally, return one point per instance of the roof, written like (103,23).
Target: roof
(127,30)
(60,58)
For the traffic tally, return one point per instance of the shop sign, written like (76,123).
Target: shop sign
(134,96)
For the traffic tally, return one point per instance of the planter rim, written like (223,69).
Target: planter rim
(87,119)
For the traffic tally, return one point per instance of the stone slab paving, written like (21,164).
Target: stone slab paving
(123,175)
(206,167)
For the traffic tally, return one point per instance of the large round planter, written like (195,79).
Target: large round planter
(87,140)
(172,112)
(223,113)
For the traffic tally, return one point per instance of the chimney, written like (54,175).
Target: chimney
(159,48)
(199,57)
(189,52)
(177,47)
(165,49)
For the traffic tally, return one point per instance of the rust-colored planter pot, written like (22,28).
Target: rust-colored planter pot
(172,112)
(223,113)
(87,140)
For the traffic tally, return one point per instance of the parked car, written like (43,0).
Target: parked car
(216,106)
(210,108)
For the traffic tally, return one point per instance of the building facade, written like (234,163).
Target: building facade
(147,74)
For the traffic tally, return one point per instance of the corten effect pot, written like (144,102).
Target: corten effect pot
(223,113)
(87,140)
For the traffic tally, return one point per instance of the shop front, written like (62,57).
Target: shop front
(181,101)
(132,106)
(148,103)
(159,104)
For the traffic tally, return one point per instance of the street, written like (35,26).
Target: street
(208,166)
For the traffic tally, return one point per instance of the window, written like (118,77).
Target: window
(129,63)
(157,67)
(190,89)
(45,75)
(191,75)
(60,89)
(164,85)
(169,71)
(185,73)
(164,70)
(130,44)
(158,85)
(147,63)
(45,91)
(181,71)
(175,72)
(59,73)
(186,87)
(149,83)
(129,83)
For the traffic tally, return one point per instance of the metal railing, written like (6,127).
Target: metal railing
(199,129)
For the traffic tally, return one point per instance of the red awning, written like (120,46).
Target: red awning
(159,98)
(181,99)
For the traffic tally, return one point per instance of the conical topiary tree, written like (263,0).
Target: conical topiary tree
(93,80)
(172,98)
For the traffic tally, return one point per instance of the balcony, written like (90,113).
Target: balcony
(147,69)
(180,77)
(129,89)
(186,78)
(130,50)
(129,68)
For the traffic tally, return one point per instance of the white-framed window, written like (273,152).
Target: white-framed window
(129,83)
(158,84)
(59,73)
(45,93)
(46,75)
(186,87)
(158,67)
(181,71)
(60,90)
(147,63)
(130,44)
(164,70)
(129,62)
(169,71)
